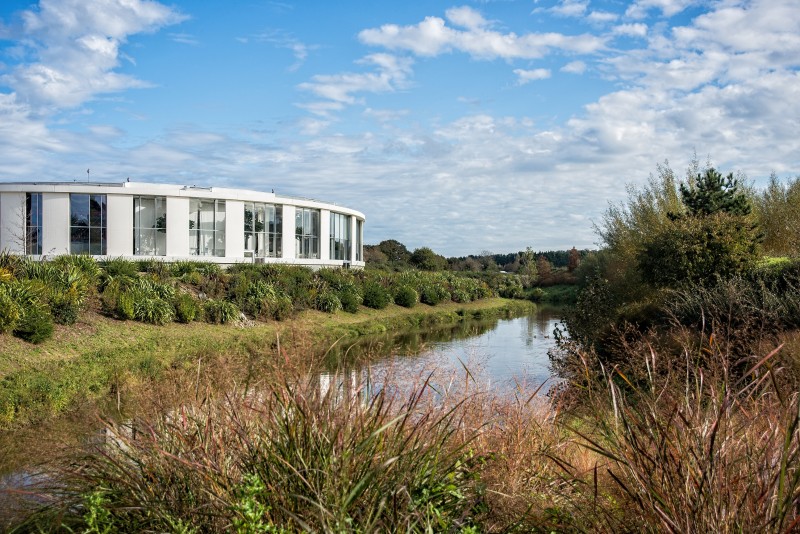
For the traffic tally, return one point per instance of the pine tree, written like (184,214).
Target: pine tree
(711,193)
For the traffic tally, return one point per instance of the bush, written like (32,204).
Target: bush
(432,294)
(123,305)
(185,307)
(376,296)
(10,312)
(327,301)
(350,298)
(35,326)
(220,311)
(406,297)
(152,309)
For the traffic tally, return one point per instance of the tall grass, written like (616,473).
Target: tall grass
(287,457)
(688,447)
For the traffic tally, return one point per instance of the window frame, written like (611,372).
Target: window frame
(160,225)
(33,224)
(91,227)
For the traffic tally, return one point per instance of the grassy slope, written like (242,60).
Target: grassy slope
(97,355)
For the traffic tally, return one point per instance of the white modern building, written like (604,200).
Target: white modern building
(172,222)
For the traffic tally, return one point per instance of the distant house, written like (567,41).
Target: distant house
(172,222)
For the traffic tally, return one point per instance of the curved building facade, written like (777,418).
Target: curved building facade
(172,222)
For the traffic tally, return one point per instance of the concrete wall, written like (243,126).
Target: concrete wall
(234,229)
(12,222)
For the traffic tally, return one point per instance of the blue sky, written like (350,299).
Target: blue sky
(464,126)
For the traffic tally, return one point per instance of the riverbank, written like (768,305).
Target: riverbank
(99,357)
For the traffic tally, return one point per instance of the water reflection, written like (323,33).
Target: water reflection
(498,355)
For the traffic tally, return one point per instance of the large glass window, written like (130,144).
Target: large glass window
(33,223)
(150,226)
(262,229)
(306,233)
(87,224)
(206,227)
(340,236)
(359,240)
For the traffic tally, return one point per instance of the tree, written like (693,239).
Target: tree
(426,259)
(699,250)
(777,211)
(527,265)
(544,268)
(395,251)
(574,259)
(713,238)
(710,193)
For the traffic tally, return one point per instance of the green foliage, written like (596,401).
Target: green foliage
(153,309)
(698,250)
(84,263)
(406,296)
(777,211)
(394,251)
(327,301)
(123,305)
(376,296)
(186,308)
(350,297)
(116,267)
(710,193)
(35,325)
(220,311)
(432,294)
(426,259)
(97,517)
(10,311)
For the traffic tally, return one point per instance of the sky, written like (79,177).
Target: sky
(464,126)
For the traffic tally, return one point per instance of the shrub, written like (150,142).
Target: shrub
(350,298)
(536,294)
(406,296)
(185,307)
(123,305)
(432,294)
(152,309)
(376,296)
(220,311)
(35,325)
(460,296)
(119,267)
(10,312)
(84,263)
(327,301)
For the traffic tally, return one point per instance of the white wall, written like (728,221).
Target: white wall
(55,223)
(234,228)
(12,222)
(177,226)
(324,234)
(119,225)
(288,232)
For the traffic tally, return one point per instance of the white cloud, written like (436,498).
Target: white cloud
(574,67)
(668,8)
(432,37)
(570,8)
(392,73)
(526,76)
(601,17)
(633,30)
(76,44)
(466,17)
